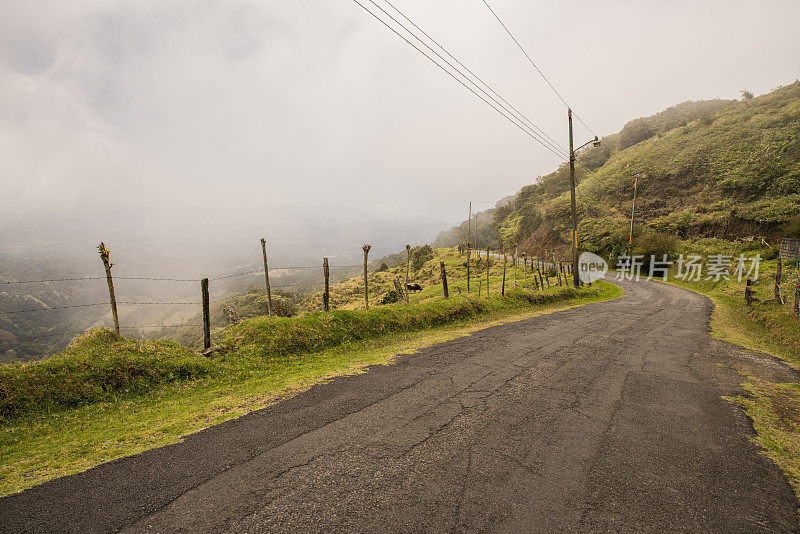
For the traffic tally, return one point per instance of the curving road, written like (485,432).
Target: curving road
(603,418)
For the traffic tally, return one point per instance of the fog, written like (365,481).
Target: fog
(201,126)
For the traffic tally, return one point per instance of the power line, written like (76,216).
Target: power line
(515,122)
(552,142)
(534,64)
(521,123)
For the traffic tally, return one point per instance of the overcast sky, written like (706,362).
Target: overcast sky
(235,107)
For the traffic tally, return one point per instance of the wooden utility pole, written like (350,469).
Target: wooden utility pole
(503,287)
(206,315)
(104,255)
(326,295)
(444,280)
(266,275)
(633,211)
(408,263)
(366,248)
(572,202)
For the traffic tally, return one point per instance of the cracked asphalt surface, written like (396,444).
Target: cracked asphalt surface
(602,418)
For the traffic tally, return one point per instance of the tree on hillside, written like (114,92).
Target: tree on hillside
(634,132)
(746,95)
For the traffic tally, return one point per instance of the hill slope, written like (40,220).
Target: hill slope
(715,168)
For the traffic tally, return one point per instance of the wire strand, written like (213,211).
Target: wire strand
(470,89)
(535,66)
(520,115)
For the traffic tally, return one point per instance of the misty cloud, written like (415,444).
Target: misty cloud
(242,110)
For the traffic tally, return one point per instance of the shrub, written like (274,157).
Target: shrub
(389,297)
(655,245)
(95,368)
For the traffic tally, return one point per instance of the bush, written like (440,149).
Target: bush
(389,297)
(655,245)
(420,255)
(95,368)
(383,268)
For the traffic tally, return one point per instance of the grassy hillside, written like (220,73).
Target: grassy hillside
(706,169)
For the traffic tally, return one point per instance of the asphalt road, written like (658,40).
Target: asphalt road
(603,418)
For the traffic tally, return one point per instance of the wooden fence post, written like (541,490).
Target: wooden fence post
(444,280)
(797,292)
(516,250)
(366,248)
(525,270)
(104,255)
(503,287)
(748,291)
(398,287)
(778,271)
(487,272)
(469,253)
(266,275)
(408,262)
(326,295)
(206,315)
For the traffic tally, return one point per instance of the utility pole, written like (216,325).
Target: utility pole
(575,281)
(633,210)
(596,142)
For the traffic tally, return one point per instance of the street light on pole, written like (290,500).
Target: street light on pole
(595,142)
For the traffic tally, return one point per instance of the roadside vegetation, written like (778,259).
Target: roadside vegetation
(103,399)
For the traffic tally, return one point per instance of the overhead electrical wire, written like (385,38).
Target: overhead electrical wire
(507,114)
(535,66)
(521,116)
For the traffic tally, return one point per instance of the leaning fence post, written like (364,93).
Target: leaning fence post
(366,286)
(778,269)
(326,295)
(266,275)
(206,315)
(444,280)
(104,255)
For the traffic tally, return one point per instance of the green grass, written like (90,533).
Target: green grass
(97,367)
(774,409)
(46,444)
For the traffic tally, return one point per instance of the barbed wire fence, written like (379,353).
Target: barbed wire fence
(541,272)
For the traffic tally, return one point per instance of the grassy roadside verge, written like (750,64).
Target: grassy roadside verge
(770,327)
(43,446)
